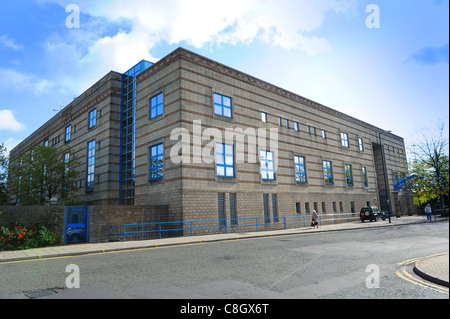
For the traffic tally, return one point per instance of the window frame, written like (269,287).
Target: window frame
(90,171)
(157,166)
(222,106)
(224,160)
(92,120)
(298,169)
(265,163)
(328,172)
(68,133)
(156,106)
(344,140)
(348,169)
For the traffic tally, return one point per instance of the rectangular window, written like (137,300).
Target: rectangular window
(300,169)
(296,127)
(221,208)
(233,212)
(309,129)
(348,174)
(324,208)
(68,133)
(361,144)
(287,123)
(267,165)
(157,162)
(157,105)
(352,207)
(341,207)
(46,143)
(280,121)
(324,134)
(264,117)
(328,173)
(90,176)
(334,207)
(225,160)
(344,139)
(222,105)
(298,208)
(92,118)
(275,208)
(266,208)
(307,208)
(364,172)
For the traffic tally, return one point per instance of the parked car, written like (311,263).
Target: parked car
(76,235)
(371,213)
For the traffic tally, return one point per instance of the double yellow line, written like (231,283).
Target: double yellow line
(403,273)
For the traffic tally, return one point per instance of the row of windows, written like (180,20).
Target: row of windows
(225,166)
(299,208)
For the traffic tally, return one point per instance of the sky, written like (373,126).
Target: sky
(385,62)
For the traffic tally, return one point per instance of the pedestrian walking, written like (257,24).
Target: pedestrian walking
(428,212)
(315,219)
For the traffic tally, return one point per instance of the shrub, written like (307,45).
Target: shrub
(19,237)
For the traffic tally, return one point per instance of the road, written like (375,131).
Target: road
(359,264)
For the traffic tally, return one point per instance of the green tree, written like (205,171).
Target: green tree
(4,198)
(43,174)
(431,155)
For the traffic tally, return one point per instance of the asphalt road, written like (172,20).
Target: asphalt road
(357,264)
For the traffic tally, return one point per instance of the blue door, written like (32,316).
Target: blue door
(76,224)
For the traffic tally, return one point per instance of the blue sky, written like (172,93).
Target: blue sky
(395,76)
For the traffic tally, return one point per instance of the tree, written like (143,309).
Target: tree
(4,198)
(431,155)
(43,174)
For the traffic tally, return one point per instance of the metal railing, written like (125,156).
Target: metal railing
(161,229)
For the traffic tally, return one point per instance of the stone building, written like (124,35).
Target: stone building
(212,143)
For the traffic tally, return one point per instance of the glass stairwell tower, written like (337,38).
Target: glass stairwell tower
(128,133)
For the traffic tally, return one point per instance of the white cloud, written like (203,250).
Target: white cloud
(289,24)
(11,80)
(10,43)
(9,122)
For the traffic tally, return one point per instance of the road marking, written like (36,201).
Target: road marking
(408,277)
(414,260)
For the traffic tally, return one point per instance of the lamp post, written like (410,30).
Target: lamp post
(386,182)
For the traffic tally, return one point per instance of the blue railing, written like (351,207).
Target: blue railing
(160,228)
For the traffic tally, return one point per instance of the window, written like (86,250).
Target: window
(344,139)
(233,212)
(328,173)
(300,169)
(352,207)
(280,121)
(287,124)
(275,208)
(361,144)
(68,133)
(92,118)
(324,134)
(221,209)
(348,174)
(266,208)
(364,172)
(267,165)
(222,105)
(156,105)
(324,208)
(298,208)
(309,129)
(157,162)
(90,166)
(296,127)
(307,208)
(46,143)
(334,207)
(341,207)
(225,160)
(264,117)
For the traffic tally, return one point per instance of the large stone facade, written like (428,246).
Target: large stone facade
(192,189)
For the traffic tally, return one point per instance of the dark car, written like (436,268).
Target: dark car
(371,213)
(76,235)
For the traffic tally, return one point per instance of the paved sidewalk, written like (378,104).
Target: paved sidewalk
(435,268)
